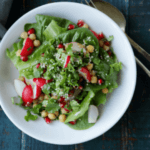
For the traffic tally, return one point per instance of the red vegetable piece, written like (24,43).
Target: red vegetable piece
(47,120)
(73,122)
(100,81)
(42,54)
(27,48)
(31,31)
(61,99)
(67,61)
(41,81)
(101,36)
(71,26)
(36,92)
(95,34)
(80,87)
(27,94)
(62,104)
(80,23)
(66,109)
(86,74)
(109,53)
(38,65)
(24,58)
(107,43)
(60,45)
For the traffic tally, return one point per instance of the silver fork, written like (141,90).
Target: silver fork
(122,23)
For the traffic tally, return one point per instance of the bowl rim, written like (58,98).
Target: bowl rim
(134,70)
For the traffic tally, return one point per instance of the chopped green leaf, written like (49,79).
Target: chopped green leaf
(110,38)
(29,116)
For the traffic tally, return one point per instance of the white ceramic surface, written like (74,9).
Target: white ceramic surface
(118,101)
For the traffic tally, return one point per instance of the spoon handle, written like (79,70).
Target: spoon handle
(142,66)
(139,48)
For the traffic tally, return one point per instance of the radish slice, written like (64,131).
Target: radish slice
(27,48)
(85,73)
(67,61)
(30,81)
(27,94)
(19,86)
(92,114)
(36,92)
(77,47)
(41,81)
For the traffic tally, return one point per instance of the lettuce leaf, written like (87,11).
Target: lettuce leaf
(83,108)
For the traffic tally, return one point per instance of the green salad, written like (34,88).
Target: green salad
(65,71)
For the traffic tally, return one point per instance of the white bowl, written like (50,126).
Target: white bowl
(118,101)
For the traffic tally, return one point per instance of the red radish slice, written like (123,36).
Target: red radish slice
(71,26)
(41,81)
(31,31)
(73,122)
(36,92)
(27,94)
(85,73)
(92,114)
(24,58)
(38,65)
(80,23)
(67,61)
(47,120)
(29,81)
(27,48)
(66,109)
(95,34)
(77,47)
(101,36)
(19,86)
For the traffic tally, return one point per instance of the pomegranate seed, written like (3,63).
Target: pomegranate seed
(71,91)
(100,81)
(66,109)
(107,43)
(71,26)
(24,58)
(31,31)
(44,70)
(97,36)
(62,104)
(42,54)
(26,104)
(60,46)
(80,87)
(47,120)
(38,65)
(61,99)
(80,23)
(109,53)
(73,122)
(101,36)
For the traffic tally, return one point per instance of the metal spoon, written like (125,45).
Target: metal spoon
(118,17)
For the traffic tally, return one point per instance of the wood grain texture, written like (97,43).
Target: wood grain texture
(132,132)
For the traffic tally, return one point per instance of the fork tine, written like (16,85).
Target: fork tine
(87,2)
(93,4)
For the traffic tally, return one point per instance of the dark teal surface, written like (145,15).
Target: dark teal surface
(132,132)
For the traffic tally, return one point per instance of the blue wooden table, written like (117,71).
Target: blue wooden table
(132,132)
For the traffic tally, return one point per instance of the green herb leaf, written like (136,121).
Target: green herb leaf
(12,99)
(110,38)
(29,116)
(29,48)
